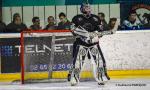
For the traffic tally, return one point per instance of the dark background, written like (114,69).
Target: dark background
(0,10)
(10,57)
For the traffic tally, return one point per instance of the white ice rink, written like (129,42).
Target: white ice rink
(114,84)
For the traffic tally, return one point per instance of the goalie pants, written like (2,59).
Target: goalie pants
(81,53)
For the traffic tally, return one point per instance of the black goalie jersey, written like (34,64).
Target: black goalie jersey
(89,23)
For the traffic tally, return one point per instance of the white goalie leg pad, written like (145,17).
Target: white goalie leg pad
(80,58)
(99,72)
(75,77)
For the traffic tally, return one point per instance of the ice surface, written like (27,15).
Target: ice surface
(113,84)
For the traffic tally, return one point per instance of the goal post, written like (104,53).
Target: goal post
(46,55)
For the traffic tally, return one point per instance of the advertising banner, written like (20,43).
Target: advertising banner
(10,55)
(37,53)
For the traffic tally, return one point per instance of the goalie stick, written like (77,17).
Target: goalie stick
(81,32)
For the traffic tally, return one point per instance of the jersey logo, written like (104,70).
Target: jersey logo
(88,26)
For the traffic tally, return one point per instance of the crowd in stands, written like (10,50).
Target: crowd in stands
(133,24)
(16,26)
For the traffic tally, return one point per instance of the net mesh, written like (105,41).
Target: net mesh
(47,56)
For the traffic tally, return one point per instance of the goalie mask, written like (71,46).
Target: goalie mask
(85,8)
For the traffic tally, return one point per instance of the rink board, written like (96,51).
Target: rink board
(119,59)
(120,74)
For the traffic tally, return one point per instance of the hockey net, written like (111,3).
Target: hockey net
(47,56)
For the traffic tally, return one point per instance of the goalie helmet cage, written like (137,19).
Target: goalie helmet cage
(39,62)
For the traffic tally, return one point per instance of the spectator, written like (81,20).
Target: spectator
(36,24)
(104,25)
(113,24)
(51,24)
(64,22)
(131,23)
(16,26)
(2,27)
